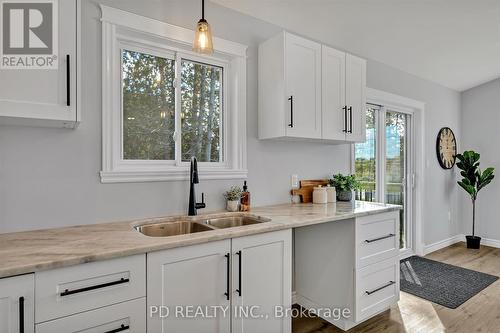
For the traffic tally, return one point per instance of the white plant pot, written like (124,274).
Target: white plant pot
(233,205)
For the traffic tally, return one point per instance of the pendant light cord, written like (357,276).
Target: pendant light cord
(203,9)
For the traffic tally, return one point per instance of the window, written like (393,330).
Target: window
(163,104)
(150,112)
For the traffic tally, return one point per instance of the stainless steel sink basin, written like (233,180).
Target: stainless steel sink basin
(198,224)
(234,221)
(172,228)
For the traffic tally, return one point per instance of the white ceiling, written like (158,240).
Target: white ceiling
(452,42)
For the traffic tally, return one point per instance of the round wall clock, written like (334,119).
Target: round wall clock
(446,148)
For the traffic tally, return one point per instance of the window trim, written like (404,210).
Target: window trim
(120,28)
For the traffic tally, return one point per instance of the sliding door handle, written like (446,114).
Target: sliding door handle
(68,81)
(291,111)
(239,273)
(228,276)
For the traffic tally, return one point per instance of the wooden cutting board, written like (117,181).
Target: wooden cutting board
(306,189)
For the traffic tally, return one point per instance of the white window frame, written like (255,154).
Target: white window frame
(124,30)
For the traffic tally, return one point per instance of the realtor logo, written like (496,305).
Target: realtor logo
(29,34)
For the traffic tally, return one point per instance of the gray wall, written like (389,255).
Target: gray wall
(480,120)
(49,177)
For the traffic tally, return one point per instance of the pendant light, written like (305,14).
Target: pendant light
(203,35)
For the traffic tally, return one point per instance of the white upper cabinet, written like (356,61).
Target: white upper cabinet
(312,91)
(17,310)
(41,96)
(334,122)
(303,82)
(356,98)
(289,88)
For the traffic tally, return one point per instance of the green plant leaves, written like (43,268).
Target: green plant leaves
(344,183)
(473,178)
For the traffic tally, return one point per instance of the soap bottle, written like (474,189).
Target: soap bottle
(245,198)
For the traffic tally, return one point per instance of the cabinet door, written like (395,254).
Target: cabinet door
(123,317)
(39,96)
(334,121)
(356,98)
(303,87)
(17,312)
(261,281)
(187,277)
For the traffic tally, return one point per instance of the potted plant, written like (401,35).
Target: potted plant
(233,197)
(472,182)
(344,185)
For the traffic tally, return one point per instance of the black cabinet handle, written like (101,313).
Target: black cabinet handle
(345,119)
(239,273)
(21,314)
(98,286)
(390,283)
(379,238)
(291,111)
(119,329)
(350,119)
(68,82)
(228,258)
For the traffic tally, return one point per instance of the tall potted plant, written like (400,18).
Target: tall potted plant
(472,182)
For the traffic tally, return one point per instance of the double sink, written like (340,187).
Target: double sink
(194,225)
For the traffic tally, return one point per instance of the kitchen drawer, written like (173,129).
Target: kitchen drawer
(66,291)
(377,238)
(128,316)
(377,288)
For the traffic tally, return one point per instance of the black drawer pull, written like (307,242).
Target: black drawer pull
(380,238)
(120,329)
(228,258)
(21,314)
(98,286)
(390,283)
(239,273)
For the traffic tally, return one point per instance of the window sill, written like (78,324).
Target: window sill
(169,175)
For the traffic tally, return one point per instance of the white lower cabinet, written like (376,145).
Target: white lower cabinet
(188,276)
(122,317)
(17,310)
(225,281)
(348,265)
(262,277)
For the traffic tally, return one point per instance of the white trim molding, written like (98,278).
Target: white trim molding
(443,243)
(123,28)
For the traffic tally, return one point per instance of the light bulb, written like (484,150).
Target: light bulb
(203,38)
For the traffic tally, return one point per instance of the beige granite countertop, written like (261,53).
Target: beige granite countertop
(31,251)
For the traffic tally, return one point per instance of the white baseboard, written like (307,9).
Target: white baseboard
(443,243)
(490,242)
(455,239)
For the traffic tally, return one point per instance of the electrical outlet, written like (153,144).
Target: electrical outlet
(295,181)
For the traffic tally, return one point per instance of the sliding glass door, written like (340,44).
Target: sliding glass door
(384,163)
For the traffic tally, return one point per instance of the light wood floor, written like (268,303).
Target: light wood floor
(412,314)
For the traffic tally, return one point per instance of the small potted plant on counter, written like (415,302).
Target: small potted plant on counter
(233,197)
(344,185)
(472,182)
